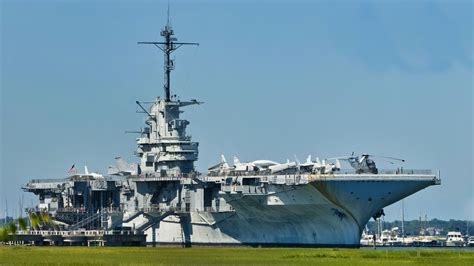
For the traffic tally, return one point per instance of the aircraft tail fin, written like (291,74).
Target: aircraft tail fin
(236,160)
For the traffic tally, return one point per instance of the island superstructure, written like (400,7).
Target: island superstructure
(256,203)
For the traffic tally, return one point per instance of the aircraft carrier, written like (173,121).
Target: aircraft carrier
(253,203)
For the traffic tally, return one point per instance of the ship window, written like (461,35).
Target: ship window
(150,158)
(149,164)
(249,181)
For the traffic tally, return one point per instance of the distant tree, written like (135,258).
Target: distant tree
(22,224)
(12,229)
(4,234)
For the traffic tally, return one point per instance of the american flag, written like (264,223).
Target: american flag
(72,169)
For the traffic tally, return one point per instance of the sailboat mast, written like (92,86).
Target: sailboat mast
(403,222)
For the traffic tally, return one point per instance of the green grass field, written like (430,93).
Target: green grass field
(229,256)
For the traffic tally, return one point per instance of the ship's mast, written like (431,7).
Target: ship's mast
(164,147)
(169,45)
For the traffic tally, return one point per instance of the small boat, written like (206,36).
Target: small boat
(425,241)
(454,239)
(470,241)
(367,240)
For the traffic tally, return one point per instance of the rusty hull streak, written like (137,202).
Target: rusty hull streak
(320,185)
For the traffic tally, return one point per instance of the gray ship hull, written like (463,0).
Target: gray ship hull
(327,212)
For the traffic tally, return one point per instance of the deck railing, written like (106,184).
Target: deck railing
(399,171)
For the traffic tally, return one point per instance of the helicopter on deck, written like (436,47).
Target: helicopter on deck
(364,164)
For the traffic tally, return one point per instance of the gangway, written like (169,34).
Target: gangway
(87,221)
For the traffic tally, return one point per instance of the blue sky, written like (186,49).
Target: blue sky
(278,79)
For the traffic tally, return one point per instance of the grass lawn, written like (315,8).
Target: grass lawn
(230,256)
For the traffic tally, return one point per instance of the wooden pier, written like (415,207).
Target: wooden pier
(78,238)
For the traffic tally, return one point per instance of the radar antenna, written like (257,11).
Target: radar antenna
(169,45)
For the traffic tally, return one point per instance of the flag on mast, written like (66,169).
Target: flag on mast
(72,169)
